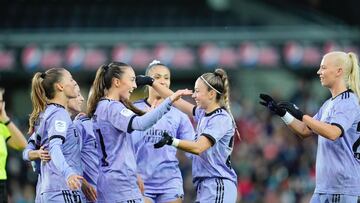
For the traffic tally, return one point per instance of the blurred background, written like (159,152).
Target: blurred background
(271,46)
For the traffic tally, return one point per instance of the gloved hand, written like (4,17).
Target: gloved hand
(166,139)
(142,80)
(269,102)
(292,109)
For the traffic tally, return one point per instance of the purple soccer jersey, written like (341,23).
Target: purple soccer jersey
(117,171)
(218,127)
(57,131)
(338,161)
(88,149)
(159,167)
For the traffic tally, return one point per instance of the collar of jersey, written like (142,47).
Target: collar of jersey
(57,105)
(348,90)
(215,111)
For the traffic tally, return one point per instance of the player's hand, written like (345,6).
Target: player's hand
(43,154)
(292,109)
(142,80)
(89,191)
(74,182)
(178,94)
(269,102)
(166,139)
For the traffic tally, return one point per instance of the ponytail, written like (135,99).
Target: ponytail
(353,79)
(226,95)
(98,90)
(128,104)
(38,99)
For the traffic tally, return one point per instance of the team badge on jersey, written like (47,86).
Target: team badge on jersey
(60,126)
(126,112)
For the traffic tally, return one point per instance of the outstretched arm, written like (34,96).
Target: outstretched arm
(180,104)
(165,92)
(289,114)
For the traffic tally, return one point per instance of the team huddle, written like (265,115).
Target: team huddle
(123,151)
(119,151)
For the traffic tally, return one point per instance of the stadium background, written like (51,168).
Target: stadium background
(272,46)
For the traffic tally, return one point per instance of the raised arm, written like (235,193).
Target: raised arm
(165,92)
(17,139)
(292,119)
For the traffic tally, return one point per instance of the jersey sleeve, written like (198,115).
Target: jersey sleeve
(344,115)
(4,131)
(217,127)
(121,117)
(58,124)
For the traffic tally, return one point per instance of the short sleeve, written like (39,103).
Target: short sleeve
(58,124)
(343,115)
(32,139)
(217,127)
(4,131)
(120,116)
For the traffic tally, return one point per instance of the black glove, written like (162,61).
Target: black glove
(292,109)
(142,80)
(269,102)
(166,139)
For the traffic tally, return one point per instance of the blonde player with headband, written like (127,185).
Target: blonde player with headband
(213,176)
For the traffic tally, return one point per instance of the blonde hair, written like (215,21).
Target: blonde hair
(353,78)
(42,89)
(350,64)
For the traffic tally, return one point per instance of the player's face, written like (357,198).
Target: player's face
(75,104)
(68,84)
(126,83)
(201,94)
(328,72)
(160,74)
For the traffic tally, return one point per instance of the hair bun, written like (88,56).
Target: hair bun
(218,74)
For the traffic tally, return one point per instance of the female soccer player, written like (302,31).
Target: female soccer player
(114,118)
(338,125)
(213,175)
(61,176)
(35,152)
(159,167)
(88,147)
